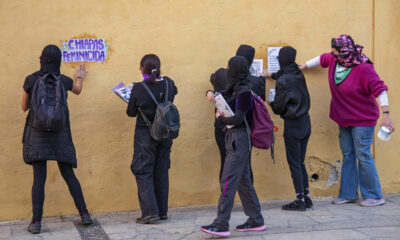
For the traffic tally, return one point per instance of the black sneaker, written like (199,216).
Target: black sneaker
(34,227)
(247,227)
(163,217)
(147,220)
(296,205)
(308,202)
(86,219)
(215,230)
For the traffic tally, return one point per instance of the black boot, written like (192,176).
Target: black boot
(307,198)
(147,219)
(34,227)
(308,202)
(296,205)
(86,219)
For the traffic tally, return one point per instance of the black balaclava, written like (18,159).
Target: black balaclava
(219,79)
(247,52)
(50,60)
(238,71)
(287,56)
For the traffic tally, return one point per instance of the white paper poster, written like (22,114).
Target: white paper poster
(256,67)
(273,64)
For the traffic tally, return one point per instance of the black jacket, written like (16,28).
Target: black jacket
(141,99)
(292,99)
(41,146)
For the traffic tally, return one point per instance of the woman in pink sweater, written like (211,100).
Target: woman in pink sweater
(354,86)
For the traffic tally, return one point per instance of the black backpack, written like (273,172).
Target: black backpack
(49,104)
(166,122)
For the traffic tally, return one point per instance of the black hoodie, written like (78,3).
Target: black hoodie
(292,99)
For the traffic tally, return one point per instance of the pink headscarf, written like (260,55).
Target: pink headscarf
(349,53)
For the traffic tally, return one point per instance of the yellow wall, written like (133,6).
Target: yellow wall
(193,39)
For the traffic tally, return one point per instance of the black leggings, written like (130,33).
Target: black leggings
(39,180)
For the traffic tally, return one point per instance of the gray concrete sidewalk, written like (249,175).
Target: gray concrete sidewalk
(324,221)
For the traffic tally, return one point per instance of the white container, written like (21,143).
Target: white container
(271,96)
(384,133)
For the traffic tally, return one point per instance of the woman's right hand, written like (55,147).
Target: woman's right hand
(211,96)
(80,72)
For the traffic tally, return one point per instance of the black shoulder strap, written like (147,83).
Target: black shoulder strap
(146,120)
(149,92)
(166,89)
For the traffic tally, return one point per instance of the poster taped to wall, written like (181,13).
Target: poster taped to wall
(122,91)
(256,67)
(84,50)
(273,64)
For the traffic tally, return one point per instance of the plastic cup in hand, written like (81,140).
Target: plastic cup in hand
(384,133)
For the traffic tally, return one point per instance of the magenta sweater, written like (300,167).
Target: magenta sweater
(354,100)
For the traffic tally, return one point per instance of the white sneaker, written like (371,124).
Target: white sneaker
(342,201)
(370,202)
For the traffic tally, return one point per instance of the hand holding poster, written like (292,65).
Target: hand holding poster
(122,91)
(223,107)
(273,63)
(256,67)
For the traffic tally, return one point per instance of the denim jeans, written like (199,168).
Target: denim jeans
(355,143)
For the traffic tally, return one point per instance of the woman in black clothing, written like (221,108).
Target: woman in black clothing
(40,146)
(151,158)
(236,171)
(292,103)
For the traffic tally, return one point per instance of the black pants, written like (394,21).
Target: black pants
(39,180)
(150,165)
(220,139)
(236,177)
(296,135)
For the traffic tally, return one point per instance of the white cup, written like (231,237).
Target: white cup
(384,133)
(271,96)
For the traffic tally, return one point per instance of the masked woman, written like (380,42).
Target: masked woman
(236,171)
(292,103)
(354,86)
(40,146)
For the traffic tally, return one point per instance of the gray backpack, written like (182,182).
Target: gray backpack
(49,104)
(166,122)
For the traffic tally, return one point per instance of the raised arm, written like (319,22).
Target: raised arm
(311,63)
(80,74)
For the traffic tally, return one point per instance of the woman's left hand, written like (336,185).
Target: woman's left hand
(387,122)
(217,114)
(266,74)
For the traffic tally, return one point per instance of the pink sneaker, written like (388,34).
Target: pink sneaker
(370,202)
(342,201)
(216,231)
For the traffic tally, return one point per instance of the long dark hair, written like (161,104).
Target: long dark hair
(151,64)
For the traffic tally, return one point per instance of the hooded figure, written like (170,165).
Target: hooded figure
(292,102)
(257,84)
(237,82)
(40,146)
(50,60)
(236,170)
(246,51)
